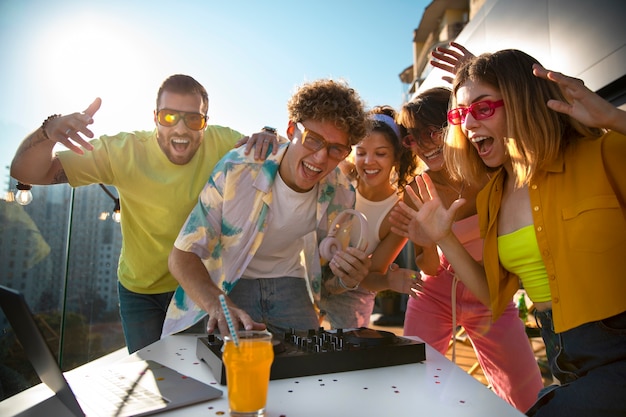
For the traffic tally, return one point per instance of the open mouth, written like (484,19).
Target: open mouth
(310,170)
(180,144)
(483,144)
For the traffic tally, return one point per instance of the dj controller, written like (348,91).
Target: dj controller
(316,352)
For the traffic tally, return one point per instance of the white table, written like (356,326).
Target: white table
(435,387)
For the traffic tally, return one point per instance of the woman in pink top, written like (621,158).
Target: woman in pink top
(443,303)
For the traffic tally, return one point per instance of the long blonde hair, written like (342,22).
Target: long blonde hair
(535,134)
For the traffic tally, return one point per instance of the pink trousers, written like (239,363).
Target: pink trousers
(502,348)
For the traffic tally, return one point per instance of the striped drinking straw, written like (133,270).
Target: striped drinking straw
(229,320)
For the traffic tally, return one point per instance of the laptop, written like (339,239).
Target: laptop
(136,388)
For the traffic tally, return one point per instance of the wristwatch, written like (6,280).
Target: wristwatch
(269,129)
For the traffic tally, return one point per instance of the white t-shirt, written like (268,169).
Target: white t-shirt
(292,217)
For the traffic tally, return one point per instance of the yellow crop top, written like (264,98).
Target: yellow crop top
(519,254)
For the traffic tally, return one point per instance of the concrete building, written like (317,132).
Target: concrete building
(582,38)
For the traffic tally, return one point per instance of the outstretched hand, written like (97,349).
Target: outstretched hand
(69,128)
(450,58)
(583,104)
(432,221)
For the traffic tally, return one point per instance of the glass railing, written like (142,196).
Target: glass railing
(61,251)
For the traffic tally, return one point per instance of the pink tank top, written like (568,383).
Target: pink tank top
(468,233)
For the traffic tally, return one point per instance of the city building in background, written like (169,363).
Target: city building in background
(34,247)
(61,251)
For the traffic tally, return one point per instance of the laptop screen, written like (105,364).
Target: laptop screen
(21,319)
(148,386)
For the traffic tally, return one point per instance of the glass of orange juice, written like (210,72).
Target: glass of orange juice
(248,371)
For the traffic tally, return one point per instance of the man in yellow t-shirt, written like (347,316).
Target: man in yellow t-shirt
(158,175)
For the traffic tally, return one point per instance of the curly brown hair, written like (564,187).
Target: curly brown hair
(333,101)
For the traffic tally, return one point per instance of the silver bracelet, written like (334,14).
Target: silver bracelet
(344,286)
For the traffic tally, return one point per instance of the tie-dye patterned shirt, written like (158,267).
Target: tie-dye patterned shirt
(226,226)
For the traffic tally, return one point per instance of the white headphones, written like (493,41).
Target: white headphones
(330,244)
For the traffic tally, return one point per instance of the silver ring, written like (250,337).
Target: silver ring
(67,132)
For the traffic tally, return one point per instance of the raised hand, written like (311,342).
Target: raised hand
(403,222)
(450,58)
(69,128)
(583,104)
(432,221)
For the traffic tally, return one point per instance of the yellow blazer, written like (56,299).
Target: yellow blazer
(580,224)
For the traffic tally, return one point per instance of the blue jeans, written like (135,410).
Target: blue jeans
(142,316)
(281,303)
(590,363)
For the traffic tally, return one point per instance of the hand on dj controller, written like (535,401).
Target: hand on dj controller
(241,319)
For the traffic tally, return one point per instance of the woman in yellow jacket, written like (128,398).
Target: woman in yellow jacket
(553,216)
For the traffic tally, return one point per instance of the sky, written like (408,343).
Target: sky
(58,56)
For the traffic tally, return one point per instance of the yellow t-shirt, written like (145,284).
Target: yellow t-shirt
(156,196)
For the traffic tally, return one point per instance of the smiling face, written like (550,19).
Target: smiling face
(374,159)
(178,142)
(429,147)
(486,135)
(301,168)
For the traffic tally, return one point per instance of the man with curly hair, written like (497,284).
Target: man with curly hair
(255,218)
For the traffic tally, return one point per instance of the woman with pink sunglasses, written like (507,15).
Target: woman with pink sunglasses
(442,303)
(553,216)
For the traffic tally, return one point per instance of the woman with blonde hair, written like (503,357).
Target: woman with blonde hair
(442,302)
(552,216)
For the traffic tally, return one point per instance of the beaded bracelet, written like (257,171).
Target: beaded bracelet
(45,122)
(344,286)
